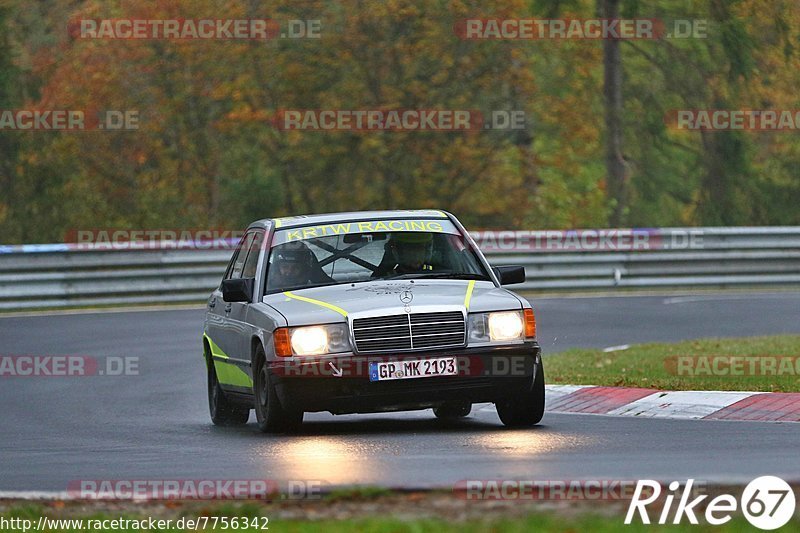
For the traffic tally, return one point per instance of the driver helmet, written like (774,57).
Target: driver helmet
(412,250)
(293,263)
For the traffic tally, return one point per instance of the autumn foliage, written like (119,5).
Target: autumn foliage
(207,152)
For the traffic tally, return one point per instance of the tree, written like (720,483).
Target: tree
(612,97)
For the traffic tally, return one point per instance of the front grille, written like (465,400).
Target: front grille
(409,331)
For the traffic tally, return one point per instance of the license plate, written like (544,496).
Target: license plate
(412,368)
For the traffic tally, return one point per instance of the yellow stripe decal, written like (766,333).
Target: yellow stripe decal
(317,302)
(468,297)
(278,223)
(216,351)
(230,374)
(227,373)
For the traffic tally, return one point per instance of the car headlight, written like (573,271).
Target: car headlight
(309,341)
(506,326)
(312,340)
(499,326)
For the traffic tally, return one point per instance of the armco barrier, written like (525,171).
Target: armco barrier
(62,275)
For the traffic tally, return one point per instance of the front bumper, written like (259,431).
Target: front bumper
(486,374)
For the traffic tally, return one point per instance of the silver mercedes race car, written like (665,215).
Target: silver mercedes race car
(368,312)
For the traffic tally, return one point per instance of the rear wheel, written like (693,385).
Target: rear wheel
(527,409)
(223,412)
(271,416)
(449,411)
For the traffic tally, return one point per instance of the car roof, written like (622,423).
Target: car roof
(328,218)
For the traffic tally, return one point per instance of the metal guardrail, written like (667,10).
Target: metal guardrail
(63,275)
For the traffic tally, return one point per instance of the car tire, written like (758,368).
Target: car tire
(527,409)
(223,412)
(270,414)
(450,411)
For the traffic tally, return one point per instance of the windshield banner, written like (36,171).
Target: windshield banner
(364,226)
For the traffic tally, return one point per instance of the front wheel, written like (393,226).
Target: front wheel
(271,416)
(222,411)
(527,409)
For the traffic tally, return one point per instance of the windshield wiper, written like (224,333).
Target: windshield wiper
(441,275)
(301,287)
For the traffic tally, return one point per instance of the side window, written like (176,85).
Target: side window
(237,262)
(229,269)
(251,263)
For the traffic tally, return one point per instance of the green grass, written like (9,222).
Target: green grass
(656,365)
(542,522)
(545,521)
(358,493)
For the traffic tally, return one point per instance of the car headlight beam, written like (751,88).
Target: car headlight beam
(311,340)
(505,326)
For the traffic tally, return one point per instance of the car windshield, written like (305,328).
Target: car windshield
(301,259)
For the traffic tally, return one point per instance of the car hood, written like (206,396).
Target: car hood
(320,305)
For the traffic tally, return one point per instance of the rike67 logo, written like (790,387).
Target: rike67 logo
(767,502)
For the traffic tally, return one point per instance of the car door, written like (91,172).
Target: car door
(237,317)
(224,332)
(237,328)
(215,308)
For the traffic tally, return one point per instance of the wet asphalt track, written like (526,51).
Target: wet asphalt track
(155,425)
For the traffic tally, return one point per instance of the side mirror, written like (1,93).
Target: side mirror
(237,290)
(509,275)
